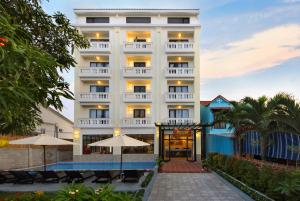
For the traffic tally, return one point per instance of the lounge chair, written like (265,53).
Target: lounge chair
(75,176)
(131,176)
(6,177)
(50,177)
(102,177)
(23,177)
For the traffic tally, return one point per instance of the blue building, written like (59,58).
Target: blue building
(219,137)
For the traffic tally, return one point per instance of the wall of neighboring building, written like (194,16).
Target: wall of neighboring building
(55,124)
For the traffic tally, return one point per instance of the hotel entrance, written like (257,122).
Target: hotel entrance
(179,146)
(179,141)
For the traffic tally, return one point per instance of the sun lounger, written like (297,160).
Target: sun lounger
(131,176)
(75,176)
(23,177)
(6,177)
(102,177)
(50,177)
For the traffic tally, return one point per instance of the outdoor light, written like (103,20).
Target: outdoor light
(148,87)
(179,35)
(179,107)
(99,106)
(130,87)
(99,82)
(148,63)
(148,40)
(179,58)
(130,39)
(97,35)
(179,82)
(148,111)
(76,134)
(130,110)
(97,58)
(117,132)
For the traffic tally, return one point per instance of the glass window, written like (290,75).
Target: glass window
(88,139)
(99,113)
(178,40)
(99,40)
(178,64)
(178,89)
(99,64)
(138,20)
(178,113)
(96,88)
(148,138)
(178,20)
(139,64)
(139,89)
(139,113)
(97,20)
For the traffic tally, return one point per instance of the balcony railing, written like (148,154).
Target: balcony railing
(179,120)
(179,97)
(137,72)
(179,47)
(94,72)
(97,47)
(137,122)
(94,97)
(179,72)
(93,123)
(138,47)
(137,97)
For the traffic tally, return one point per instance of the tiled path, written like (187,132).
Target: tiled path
(194,187)
(181,167)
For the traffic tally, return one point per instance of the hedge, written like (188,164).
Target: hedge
(258,182)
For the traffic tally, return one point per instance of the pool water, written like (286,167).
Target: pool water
(101,166)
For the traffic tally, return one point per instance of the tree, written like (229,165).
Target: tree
(34,50)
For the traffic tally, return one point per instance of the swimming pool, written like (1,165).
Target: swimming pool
(61,166)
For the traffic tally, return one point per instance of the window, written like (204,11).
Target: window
(96,88)
(139,64)
(178,89)
(178,64)
(97,20)
(88,139)
(60,130)
(148,138)
(99,64)
(139,89)
(178,20)
(43,130)
(99,113)
(139,113)
(99,40)
(138,20)
(178,113)
(220,125)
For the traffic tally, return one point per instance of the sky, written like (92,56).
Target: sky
(247,47)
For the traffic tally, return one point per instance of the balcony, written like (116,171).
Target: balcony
(179,72)
(137,122)
(179,120)
(137,72)
(179,47)
(93,123)
(97,47)
(142,47)
(180,97)
(94,97)
(137,97)
(94,72)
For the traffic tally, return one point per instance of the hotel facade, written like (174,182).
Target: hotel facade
(141,70)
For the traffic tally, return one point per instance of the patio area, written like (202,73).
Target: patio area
(194,187)
(181,166)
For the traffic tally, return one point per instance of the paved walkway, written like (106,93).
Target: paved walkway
(194,187)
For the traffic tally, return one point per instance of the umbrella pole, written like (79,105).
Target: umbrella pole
(121,159)
(44,157)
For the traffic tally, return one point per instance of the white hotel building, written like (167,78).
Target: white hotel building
(142,68)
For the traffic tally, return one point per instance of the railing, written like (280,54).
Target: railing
(94,72)
(139,97)
(182,97)
(94,97)
(137,122)
(138,46)
(180,46)
(179,72)
(87,122)
(179,120)
(97,46)
(137,71)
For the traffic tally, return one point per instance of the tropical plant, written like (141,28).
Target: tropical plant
(34,51)
(75,192)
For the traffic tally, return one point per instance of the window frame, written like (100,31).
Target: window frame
(97,20)
(134,20)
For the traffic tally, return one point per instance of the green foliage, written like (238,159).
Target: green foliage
(147,180)
(35,52)
(36,196)
(75,192)
(278,185)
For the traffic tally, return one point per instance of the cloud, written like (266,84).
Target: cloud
(262,50)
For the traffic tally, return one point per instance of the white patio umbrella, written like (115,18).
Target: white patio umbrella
(42,140)
(119,141)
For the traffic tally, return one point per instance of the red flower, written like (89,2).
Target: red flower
(3,39)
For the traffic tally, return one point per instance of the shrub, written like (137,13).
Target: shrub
(147,180)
